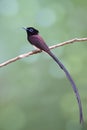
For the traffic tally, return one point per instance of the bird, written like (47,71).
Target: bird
(36,40)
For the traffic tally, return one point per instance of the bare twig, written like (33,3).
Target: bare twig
(39,51)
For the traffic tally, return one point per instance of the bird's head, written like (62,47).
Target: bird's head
(31,31)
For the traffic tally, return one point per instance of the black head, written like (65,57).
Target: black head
(31,31)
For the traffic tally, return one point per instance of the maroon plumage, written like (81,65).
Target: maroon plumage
(37,41)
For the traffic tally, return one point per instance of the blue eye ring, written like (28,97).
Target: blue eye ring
(31,30)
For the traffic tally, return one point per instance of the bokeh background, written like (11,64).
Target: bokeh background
(34,92)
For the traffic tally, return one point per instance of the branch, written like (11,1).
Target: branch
(39,51)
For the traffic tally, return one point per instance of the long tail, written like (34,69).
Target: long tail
(71,81)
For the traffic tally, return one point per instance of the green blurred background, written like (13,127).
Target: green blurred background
(34,92)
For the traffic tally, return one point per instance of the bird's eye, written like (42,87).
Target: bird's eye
(31,30)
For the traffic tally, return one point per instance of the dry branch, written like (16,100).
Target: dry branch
(39,51)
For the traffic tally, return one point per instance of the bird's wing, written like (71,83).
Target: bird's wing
(38,42)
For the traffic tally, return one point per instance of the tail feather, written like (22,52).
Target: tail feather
(71,81)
